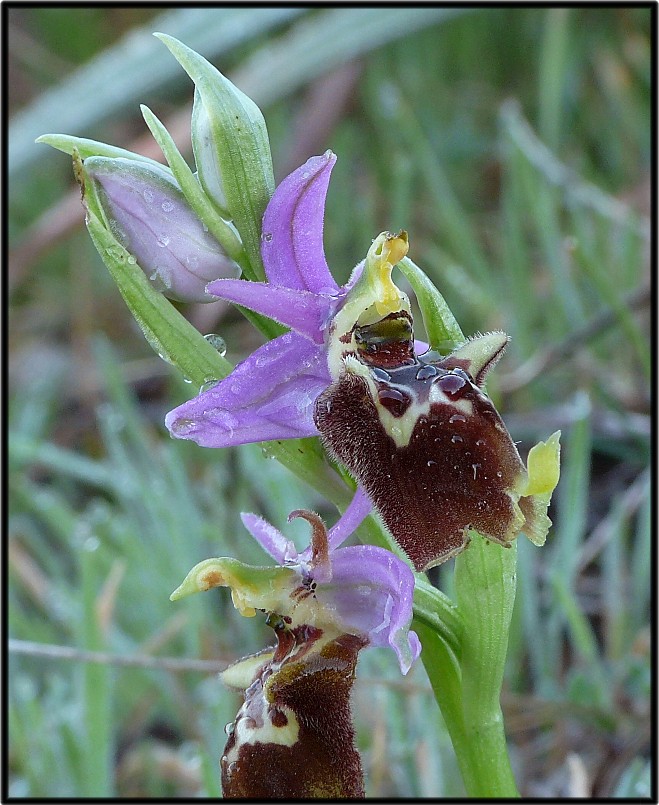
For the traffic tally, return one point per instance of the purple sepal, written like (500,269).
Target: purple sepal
(292,235)
(372,591)
(150,217)
(269,395)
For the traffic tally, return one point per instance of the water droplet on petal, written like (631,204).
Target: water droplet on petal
(208,384)
(480,442)
(456,438)
(148,196)
(395,402)
(161,278)
(430,463)
(451,384)
(229,729)
(167,205)
(380,374)
(162,241)
(182,427)
(426,372)
(222,418)
(132,260)
(267,237)
(457,418)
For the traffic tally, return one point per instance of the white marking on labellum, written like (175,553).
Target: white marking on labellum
(400,428)
(246,732)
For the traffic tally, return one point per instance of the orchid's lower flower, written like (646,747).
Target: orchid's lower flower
(415,428)
(150,217)
(293,736)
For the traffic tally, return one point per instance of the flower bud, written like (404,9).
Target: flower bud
(150,217)
(207,157)
(236,150)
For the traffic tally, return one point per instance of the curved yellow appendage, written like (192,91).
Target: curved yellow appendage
(386,251)
(543,466)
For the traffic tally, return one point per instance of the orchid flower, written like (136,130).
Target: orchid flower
(415,428)
(293,735)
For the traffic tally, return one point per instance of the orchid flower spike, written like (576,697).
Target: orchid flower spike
(415,428)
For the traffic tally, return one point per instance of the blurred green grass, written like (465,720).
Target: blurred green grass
(514,145)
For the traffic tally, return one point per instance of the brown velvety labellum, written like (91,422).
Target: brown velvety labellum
(453,474)
(306,692)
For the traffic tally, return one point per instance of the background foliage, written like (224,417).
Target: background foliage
(514,145)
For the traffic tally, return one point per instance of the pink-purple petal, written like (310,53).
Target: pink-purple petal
(372,592)
(360,507)
(306,313)
(269,395)
(269,538)
(292,235)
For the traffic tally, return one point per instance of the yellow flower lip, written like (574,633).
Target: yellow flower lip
(385,252)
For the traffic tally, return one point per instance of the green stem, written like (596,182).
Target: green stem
(485,583)
(443,669)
